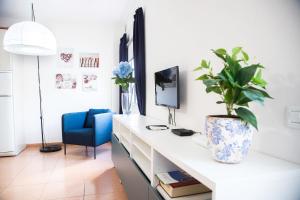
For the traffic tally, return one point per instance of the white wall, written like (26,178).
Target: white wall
(84,37)
(180,32)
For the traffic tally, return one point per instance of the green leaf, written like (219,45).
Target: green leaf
(220,102)
(228,97)
(253,95)
(205,64)
(235,51)
(229,77)
(245,55)
(242,100)
(131,80)
(233,65)
(266,95)
(220,53)
(247,116)
(215,89)
(236,93)
(260,82)
(202,77)
(198,68)
(257,79)
(222,76)
(210,82)
(246,74)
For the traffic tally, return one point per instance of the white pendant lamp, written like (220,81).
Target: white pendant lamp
(29,38)
(34,39)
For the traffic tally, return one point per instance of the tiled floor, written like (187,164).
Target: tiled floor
(77,176)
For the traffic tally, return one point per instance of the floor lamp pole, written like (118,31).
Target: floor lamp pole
(44,148)
(40,98)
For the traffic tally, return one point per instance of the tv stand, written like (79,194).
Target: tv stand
(139,154)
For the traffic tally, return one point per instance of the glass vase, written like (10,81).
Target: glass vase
(126,104)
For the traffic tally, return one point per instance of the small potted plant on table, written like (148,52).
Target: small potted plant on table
(123,77)
(238,84)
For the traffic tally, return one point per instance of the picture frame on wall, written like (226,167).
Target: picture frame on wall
(65,57)
(89,82)
(65,81)
(89,60)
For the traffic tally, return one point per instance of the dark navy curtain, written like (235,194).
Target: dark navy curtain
(123,56)
(139,59)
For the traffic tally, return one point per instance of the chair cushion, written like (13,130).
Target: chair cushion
(82,136)
(90,115)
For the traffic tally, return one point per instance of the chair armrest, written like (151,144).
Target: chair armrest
(103,127)
(73,121)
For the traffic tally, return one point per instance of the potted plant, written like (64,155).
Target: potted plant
(238,84)
(123,77)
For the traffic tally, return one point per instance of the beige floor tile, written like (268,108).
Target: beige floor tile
(2,189)
(32,192)
(108,196)
(69,198)
(107,182)
(97,169)
(63,190)
(11,166)
(69,173)
(31,178)
(42,164)
(34,175)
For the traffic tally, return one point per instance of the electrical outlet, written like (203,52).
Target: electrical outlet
(293,116)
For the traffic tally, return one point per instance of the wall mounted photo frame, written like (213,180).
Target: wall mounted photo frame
(65,81)
(89,82)
(89,60)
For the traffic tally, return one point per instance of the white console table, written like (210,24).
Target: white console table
(259,177)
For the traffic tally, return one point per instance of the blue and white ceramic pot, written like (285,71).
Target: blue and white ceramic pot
(229,138)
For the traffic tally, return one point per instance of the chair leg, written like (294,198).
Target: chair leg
(65,148)
(94,152)
(86,151)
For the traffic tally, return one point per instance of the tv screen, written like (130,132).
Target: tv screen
(167,87)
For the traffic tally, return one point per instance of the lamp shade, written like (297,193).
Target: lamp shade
(29,38)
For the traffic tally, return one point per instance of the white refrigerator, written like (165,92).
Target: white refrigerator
(12,140)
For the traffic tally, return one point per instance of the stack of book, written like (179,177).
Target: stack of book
(179,184)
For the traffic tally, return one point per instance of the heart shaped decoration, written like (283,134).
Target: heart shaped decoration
(66,57)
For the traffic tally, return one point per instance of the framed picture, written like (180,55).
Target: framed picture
(65,57)
(89,60)
(65,81)
(89,82)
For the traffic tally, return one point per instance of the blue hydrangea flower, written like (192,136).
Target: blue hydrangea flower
(123,71)
(115,72)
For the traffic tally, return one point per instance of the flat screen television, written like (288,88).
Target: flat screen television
(167,88)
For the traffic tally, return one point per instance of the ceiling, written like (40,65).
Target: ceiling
(109,11)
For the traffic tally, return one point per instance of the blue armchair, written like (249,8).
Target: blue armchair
(91,128)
